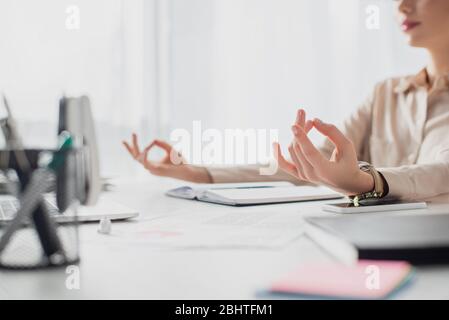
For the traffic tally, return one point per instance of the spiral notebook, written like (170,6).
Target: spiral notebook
(249,194)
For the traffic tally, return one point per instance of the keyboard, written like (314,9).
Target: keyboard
(9,208)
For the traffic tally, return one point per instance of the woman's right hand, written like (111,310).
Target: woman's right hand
(172,164)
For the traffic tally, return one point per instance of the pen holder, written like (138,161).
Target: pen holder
(24,251)
(35,234)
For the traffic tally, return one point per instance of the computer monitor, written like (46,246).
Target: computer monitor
(75,116)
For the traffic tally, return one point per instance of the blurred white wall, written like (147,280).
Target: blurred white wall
(152,66)
(94,47)
(253,63)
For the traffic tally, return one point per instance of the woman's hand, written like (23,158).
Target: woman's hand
(172,164)
(341,172)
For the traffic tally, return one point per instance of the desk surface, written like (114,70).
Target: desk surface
(139,272)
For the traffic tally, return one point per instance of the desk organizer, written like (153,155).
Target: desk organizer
(33,239)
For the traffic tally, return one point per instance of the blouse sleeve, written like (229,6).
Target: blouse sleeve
(419,181)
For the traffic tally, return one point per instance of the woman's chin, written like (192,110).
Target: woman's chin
(416,42)
(417,38)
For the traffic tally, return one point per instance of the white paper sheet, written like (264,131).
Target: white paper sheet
(235,229)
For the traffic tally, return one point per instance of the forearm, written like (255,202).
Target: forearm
(248,173)
(417,181)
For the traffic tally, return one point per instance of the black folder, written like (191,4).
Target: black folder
(419,239)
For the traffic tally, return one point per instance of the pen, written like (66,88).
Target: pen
(244,188)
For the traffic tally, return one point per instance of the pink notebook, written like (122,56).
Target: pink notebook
(365,280)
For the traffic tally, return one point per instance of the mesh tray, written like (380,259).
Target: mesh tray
(24,250)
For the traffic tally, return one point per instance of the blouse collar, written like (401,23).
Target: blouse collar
(421,80)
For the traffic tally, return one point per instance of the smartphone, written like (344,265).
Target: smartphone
(373,206)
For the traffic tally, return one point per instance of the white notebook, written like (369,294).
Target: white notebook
(248,194)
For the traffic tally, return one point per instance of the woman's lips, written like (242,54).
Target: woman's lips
(408,25)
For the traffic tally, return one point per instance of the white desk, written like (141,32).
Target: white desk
(146,273)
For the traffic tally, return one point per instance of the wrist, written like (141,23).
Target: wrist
(365,183)
(200,175)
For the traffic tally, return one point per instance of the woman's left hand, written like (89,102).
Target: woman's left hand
(341,172)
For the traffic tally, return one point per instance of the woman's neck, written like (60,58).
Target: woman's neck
(439,62)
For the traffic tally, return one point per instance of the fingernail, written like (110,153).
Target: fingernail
(318,121)
(295,130)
